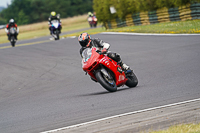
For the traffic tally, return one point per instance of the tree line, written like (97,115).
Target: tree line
(31,11)
(124,7)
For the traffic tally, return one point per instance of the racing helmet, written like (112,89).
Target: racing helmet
(53,13)
(11,21)
(84,39)
(90,14)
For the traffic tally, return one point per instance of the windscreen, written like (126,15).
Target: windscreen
(86,54)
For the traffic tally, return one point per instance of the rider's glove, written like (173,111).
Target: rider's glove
(104,51)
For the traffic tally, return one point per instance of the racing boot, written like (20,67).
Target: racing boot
(51,31)
(125,68)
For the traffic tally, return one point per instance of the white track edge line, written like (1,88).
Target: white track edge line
(139,111)
(147,34)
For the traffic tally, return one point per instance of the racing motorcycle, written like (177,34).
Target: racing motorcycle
(106,71)
(92,21)
(55,27)
(12,36)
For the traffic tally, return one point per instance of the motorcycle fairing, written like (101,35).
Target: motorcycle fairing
(94,61)
(89,62)
(55,23)
(120,78)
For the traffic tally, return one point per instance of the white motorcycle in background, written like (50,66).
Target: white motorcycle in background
(92,21)
(13,34)
(55,26)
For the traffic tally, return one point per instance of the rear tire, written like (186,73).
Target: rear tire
(104,83)
(132,80)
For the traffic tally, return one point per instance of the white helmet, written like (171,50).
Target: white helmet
(11,21)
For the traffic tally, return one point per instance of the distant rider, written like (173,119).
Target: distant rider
(11,24)
(90,14)
(86,42)
(52,17)
(94,14)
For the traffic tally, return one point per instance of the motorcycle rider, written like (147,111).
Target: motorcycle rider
(52,17)
(90,14)
(94,14)
(85,42)
(10,25)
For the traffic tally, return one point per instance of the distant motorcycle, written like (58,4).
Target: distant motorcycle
(106,71)
(55,27)
(12,36)
(92,21)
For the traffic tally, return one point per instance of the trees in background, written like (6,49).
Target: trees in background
(124,7)
(31,11)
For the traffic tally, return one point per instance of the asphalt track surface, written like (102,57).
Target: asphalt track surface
(42,85)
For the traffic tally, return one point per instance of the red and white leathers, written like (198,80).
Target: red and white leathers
(10,25)
(103,47)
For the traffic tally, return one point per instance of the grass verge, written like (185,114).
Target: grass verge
(182,128)
(179,27)
(80,22)
(41,29)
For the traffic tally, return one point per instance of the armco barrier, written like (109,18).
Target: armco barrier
(2,26)
(187,12)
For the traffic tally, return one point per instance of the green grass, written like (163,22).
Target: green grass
(179,27)
(190,26)
(182,128)
(43,32)
(41,29)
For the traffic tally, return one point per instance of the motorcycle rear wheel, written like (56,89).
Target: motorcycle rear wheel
(101,79)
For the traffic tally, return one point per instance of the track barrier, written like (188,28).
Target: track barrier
(187,12)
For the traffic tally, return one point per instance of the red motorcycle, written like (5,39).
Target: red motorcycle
(92,21)
(106,71)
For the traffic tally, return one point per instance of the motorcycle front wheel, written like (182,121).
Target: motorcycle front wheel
(132,80)
(12,41)
(57,34)
(108,84)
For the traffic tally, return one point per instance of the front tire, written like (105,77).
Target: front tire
(57,35)
(132,80)
(101,79)
(13,41)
